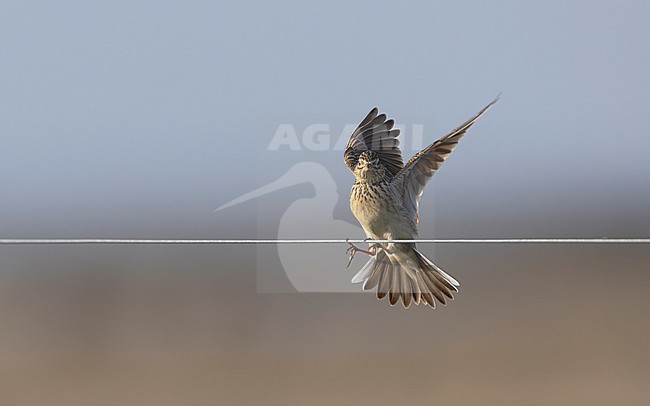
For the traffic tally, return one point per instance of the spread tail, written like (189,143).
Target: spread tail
(407,275)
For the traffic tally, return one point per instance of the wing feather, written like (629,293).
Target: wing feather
(375,133)
(415,175)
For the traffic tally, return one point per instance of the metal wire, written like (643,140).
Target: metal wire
(74,241)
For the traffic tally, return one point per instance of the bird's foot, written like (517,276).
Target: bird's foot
(353,249)
(389,249)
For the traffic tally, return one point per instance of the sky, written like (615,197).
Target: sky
(139,112)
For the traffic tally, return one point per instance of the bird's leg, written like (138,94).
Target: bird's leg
(389,248)
(353,249)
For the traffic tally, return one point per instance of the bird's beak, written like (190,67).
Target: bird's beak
(294,176)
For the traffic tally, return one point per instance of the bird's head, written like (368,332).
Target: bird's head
(368,167)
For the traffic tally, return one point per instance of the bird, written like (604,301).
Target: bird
(385,200)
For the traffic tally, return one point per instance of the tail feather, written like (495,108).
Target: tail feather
(431,285)
(384,278)
(417,292)
(374,278)
(427,297)
(445,282)
(444,276)
(413,278)
(365,272)
(395,290)
(406,290)
(439,286)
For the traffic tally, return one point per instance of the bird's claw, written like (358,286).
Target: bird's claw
(353,249)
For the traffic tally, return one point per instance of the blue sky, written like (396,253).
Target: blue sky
(132,116)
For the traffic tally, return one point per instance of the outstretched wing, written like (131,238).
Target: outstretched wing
(415,175)
(376,134)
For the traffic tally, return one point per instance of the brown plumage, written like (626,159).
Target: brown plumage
(385,198)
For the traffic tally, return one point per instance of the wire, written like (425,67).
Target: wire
(61,241)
